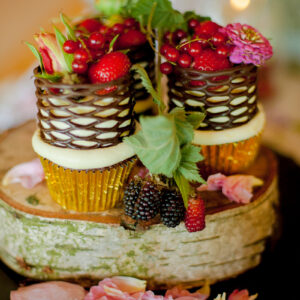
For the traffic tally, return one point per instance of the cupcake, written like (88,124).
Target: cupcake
(215,71)
(83,115)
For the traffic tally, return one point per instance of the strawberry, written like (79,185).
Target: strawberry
(195,215)
(131,38)
(110,67)
(91,25)
(209,60)
(207,27)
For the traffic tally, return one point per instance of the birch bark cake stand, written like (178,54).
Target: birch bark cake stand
(44,242)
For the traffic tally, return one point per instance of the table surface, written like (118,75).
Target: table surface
(273,279)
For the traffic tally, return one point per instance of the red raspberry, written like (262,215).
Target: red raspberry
(91,25)
(109,67)
(132,38)
(207,27)
(209,60)
(195,215)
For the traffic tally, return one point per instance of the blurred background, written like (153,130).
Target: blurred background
(280,80)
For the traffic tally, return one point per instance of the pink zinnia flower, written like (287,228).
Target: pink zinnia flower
(249,45)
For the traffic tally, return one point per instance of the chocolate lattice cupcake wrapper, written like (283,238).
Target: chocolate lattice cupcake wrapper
(87,190)
(85,116)
(229,97)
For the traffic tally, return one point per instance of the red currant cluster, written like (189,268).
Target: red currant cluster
(204,48)
(94,38)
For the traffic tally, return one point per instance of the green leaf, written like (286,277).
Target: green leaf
(51,77)
(184,187)
(188,15)
(157,145)
(36,54)
(112,43)
(164,17)
(70,30)
(149,86)
(60,40)
(33,200)
(195,118)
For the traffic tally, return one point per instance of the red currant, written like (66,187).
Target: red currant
(184,48)
(70,46)
(96,54)
(193,23)
(207,27)
(218,39)
(84,43)
(81,55)
(184,60)
(118,28)
(164,49)
(96,41)
(166,68)
(103,29)
(222,51)
(79,67)
(91,25)
(180,34)
(130,22)
(203,40)
(195,49)
(172,54)
(168,37)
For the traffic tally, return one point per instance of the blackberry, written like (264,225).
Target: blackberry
(172,209)
(142,200)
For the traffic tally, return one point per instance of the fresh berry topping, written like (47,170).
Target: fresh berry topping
(222,51)
(109,67)
(81,55)
(166,68)
(79,67)
(142,200)
(84,43)
(96,41)
(184,47)
(218,39)
(180,34)
(193,23)
(131,38)
(103,29)
(164,49)
(202,40)
(209,60)
(195,49)
(91,25)
(47,61)
(172,54)
(195,215)
(172,208)
(168,37)
(207,27)
(184,60)
(70,46)
(96,54)
(130,22)
(118,28)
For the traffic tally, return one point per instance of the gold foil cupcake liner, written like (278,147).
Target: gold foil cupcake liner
(87,190)
(229,158)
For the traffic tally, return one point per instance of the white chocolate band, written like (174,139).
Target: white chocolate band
(81,159)
(244,132)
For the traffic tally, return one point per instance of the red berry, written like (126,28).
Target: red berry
(209,60)
(131,38)
(166,68)
(184,60)
(195,215)
(193,23)
(81,55)
(91,25)
(207,27)
(202,40)
(70,46)
(164,49)
(184,47)
(96,41)
(110,67)
(172,54)
(103,29)
(168,37)
(118,28)
(130,22)
(84,43)
(79,67)
(96,54)
(218,39)
(180,34)
(195,49)
(222,51)
(47,61)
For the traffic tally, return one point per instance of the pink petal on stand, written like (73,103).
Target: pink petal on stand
(54,290)
(28,174)
(214,183)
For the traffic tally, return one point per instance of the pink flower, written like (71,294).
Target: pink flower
(237,188)
(241,295)
(249,45)
(53,59)
(180,294)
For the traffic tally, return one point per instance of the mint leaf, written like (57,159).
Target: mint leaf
(157,145)
(195,118)
(164,17)
(184,187)
(51,77)
(37,54)
(70,30)
(148,86)
(60,40)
